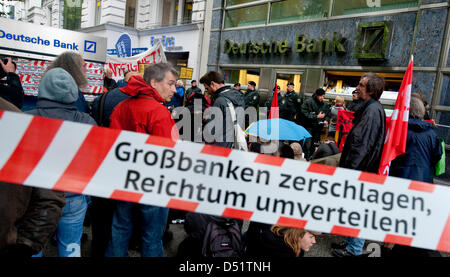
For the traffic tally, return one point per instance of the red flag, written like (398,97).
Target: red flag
(344,124)
(274,109)
(397,129)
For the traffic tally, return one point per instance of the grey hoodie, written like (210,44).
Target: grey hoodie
(57,94)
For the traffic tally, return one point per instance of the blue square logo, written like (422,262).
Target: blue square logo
(90,46)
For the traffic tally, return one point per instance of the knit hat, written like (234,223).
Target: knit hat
(59,86)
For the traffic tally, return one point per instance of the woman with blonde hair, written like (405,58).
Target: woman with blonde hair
(334,113)
(265,240)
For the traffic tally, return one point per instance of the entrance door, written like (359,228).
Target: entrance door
(284,77)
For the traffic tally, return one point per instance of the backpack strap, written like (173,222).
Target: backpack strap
(101,108)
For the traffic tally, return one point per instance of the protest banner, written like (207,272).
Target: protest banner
(135,167)
(119,65)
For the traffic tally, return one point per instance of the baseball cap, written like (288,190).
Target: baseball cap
(252,83)
(237,84)
(193,81)
(320,91)
(290,84)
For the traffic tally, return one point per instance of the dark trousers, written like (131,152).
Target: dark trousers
(309,148)
(102,210)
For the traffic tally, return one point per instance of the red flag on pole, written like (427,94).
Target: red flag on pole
(397,129)
(274,109)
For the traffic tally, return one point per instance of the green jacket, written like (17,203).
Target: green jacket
(251,98)
(289,105)
(191,90)
(310,109)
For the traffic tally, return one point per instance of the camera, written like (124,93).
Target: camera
(5,61)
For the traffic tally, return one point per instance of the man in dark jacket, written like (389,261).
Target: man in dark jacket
(289,104)
(191,90)
(252,98)
(28,216)
(108,82)
(11,88)
(315,116)
(195,223)
(364,144)
(215,86)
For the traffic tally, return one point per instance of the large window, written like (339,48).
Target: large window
(242,76)
(253,15)
(239,13)
(130,13)
(237,2)
(72,14)
(343,7)
(298,9)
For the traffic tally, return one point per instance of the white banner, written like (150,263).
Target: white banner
(136,167)
(151,56)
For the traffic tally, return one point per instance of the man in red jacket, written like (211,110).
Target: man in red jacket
(144,112)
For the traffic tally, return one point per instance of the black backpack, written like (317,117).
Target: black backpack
(222,239)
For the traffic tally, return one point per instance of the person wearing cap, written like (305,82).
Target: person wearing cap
(252,100)
(191,90)
(289,104)
(252,96)
(237,87)
(269,103)
(57,94)
(315,116)
(356,102)
(294,102)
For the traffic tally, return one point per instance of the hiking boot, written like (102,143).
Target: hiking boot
(343,253)
(340,245)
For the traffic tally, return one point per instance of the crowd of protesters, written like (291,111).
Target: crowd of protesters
(149,103)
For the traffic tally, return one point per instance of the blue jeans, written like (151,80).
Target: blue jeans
(153,223)
(354,245)
(70,226)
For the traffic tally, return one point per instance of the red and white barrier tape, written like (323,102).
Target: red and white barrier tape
(135,167)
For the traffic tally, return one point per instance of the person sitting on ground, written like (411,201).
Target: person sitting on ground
(298,151)
(276,241)
(285,151)
(325,149)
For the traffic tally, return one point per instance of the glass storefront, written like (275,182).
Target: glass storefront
(254,15)
(298,10)
(284,78)
(343,7)
(237,2)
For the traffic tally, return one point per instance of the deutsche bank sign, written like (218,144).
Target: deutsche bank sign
(17,35)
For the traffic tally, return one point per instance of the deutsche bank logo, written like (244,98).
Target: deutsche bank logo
(90,46)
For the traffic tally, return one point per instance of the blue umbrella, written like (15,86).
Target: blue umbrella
(277,129)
